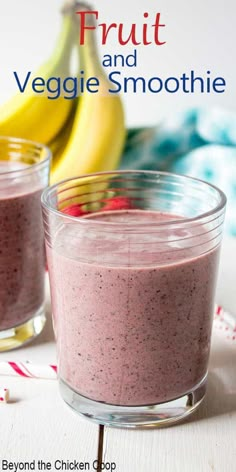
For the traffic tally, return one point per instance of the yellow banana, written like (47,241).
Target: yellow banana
(30,116)
(98,132)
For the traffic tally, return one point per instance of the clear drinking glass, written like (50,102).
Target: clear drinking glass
(132,286)
(24,173)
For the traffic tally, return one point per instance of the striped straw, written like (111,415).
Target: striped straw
(28,370)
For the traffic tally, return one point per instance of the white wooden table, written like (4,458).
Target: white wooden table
(37,425)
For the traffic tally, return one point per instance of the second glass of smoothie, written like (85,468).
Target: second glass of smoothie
(133,260)
(24,174)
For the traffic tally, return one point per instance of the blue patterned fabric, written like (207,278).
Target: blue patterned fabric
(198,142)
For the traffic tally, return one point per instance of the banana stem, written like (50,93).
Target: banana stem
(73,5)
(65,42)
(88,53)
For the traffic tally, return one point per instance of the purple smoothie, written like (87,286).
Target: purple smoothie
(132,321)
(22,261)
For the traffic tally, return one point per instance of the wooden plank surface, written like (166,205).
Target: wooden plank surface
(207,442)
(37,424)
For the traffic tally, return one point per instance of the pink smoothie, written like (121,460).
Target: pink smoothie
(132,321)
(21,247)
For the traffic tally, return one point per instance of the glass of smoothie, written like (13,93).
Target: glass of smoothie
(24,173)
(133,260)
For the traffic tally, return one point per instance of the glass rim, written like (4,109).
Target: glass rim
(83,220)
(30,167)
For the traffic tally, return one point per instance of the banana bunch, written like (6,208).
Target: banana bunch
(85,134)
(98,132)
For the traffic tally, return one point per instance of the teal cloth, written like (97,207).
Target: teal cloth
(198,142)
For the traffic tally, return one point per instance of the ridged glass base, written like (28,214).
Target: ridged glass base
(15,337)
(164,414)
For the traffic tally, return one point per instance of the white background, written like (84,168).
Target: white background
(200,35)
